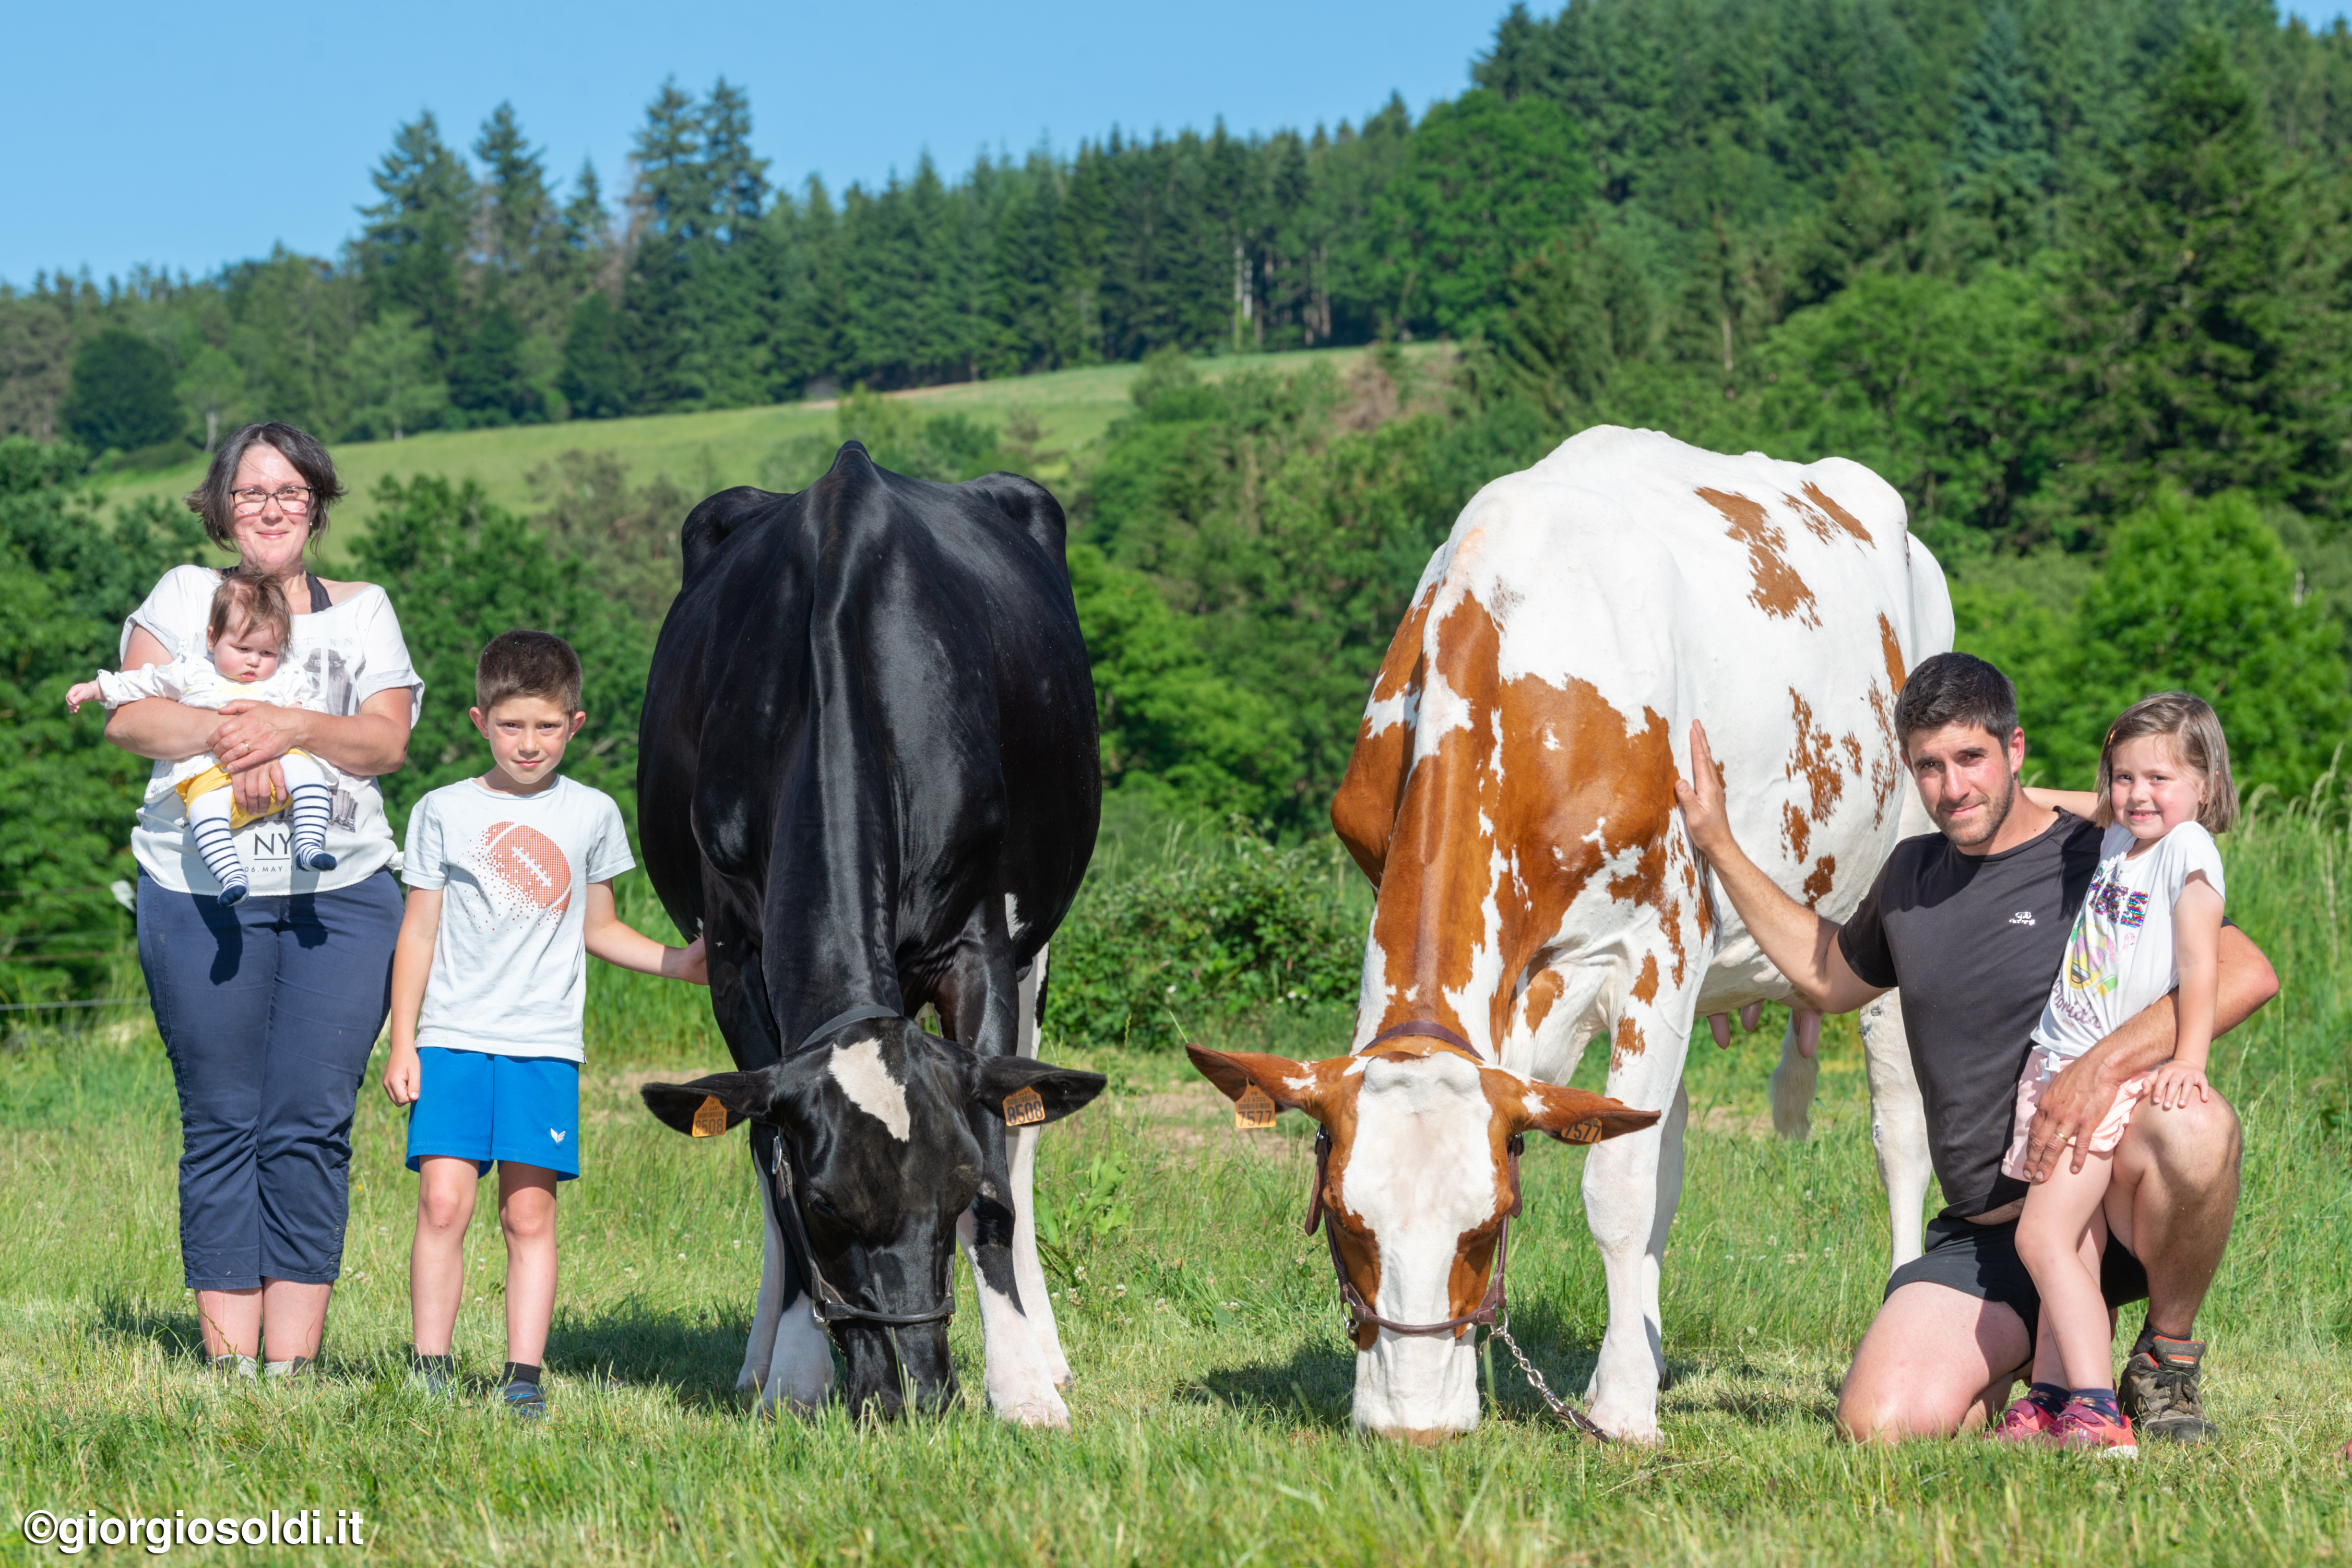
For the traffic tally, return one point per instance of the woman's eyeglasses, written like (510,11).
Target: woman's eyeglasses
(293,501)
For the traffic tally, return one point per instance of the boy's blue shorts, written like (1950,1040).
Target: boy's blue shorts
(475,1106)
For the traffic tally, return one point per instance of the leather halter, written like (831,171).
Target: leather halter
(1491,1306)
(827,1305)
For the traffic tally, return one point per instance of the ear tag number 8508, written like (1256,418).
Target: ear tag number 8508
(709,1118)
(1024,1108)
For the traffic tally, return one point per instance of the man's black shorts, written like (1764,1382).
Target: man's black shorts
(1982,1260)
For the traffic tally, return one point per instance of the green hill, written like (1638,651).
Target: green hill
(704,452)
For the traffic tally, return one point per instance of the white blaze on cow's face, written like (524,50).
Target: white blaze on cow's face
(864,1077)
(1422,1180)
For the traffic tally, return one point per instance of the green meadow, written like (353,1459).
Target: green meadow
(705,452)
(1211,1417)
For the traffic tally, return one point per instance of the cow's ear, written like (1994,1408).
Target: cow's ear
(1006,1085)
(1291,1085)
(1574,1115)
(709,1106)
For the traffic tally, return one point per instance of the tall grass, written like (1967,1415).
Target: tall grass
(1211,1417)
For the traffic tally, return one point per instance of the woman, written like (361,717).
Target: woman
(269,1008)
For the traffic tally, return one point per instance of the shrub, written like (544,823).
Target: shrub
(1221,935)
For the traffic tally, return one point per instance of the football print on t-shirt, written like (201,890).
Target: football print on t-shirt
(523,872)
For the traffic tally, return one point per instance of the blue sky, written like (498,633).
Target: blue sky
(189,141)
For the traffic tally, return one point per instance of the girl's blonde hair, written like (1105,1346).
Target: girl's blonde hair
(2196,733)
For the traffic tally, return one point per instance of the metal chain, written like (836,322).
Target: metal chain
(1558,1407)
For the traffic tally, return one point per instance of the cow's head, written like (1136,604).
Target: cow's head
(1417,1186)
(882,1127)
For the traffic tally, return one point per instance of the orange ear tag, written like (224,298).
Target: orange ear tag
(709,1118)
(1585,1132)
(1024,1108)
(1254,1112)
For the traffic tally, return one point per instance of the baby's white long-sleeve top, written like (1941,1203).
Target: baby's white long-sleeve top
(196,683)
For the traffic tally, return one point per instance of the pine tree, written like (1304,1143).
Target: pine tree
(121,398)
(2002,170)
(413,245)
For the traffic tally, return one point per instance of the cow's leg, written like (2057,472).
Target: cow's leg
(980,1002)
(1630,1185)
(1898,1124)
(1028,1273)
(1670,1198)
(759,1350)
(789,1358)
(1798,1076)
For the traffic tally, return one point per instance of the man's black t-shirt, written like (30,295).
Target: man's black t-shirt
(1975,942)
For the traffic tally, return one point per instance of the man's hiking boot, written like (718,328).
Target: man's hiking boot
(2159,1389)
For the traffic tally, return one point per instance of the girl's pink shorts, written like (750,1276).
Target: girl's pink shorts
(2041,1067)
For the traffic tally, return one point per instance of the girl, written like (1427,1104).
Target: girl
(2151,919)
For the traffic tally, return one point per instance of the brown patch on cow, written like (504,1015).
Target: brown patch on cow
(1628,1043)
(1645,984)
(1585,788)
(1795,831)
(1838,514)
(1814,761)
(1886,768)
(1364,810)
(1818,884)
(1779,590)
(1891,648)
(1536,1006)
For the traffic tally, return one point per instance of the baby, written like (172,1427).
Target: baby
(243,661)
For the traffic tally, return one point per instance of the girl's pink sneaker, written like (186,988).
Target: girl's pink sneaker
(2081,1426)
(2023,1422)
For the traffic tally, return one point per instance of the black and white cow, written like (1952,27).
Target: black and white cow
(869,779)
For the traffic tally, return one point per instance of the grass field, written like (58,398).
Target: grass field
(708,452)
(1211,1421)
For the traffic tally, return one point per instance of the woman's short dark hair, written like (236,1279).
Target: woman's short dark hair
(1955,688)
(210,500)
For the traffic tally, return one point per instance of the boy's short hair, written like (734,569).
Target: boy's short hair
(1955,688)
(528,664)
(250,599)
(2197,740)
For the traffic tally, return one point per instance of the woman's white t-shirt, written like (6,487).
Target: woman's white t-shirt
(349,651)
(2120,958)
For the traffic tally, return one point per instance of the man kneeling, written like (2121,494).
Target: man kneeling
(1972,925)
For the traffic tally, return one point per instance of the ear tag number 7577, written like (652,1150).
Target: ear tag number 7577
(1255,1111)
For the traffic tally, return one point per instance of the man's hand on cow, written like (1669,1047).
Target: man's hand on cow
(1701,799)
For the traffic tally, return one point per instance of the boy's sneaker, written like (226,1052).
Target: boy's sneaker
(524,1401)
(2024,1422)
(2083,1425)
(234,1365)
(2159,1388)
(433,1376)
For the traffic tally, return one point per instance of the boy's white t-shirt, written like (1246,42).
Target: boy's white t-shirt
(510,966)
(2120,958)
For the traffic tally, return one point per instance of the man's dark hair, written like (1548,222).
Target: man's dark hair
(528,664)
(1955,688)
(210,500)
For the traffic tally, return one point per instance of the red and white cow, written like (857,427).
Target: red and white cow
(1512,796)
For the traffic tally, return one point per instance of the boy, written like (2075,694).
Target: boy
(510,879)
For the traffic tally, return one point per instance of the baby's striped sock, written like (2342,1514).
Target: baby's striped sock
(219,850)
(307,812)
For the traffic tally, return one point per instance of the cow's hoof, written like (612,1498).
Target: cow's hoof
(1639,1430)
(1049,1414)
(1417,1436)
(751,1380)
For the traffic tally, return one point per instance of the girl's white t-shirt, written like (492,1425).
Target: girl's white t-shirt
(2120,958)
(350,652)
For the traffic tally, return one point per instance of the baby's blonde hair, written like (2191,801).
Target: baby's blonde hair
(2196,733)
